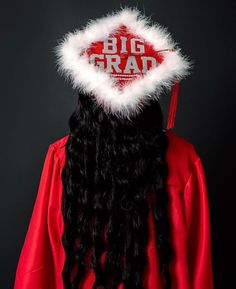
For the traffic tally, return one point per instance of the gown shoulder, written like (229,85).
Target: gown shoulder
(181,157)
(181,146)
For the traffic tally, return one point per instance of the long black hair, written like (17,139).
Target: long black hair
(113,168)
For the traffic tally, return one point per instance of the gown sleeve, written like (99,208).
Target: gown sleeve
(198,223)
(35,259)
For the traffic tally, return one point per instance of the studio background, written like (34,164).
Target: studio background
(36,104)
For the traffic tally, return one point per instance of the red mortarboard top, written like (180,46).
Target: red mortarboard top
(123,61)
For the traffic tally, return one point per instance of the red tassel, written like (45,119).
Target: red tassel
(173,106)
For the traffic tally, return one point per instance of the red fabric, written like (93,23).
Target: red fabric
(42,255)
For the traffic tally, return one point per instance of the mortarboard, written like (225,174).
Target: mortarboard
(123,60)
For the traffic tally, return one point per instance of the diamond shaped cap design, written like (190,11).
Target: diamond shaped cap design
(122,60)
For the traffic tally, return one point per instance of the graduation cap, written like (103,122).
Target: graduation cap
(123,60)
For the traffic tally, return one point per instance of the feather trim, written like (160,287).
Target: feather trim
(89,79)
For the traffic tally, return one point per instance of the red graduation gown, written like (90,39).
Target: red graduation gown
(42,255)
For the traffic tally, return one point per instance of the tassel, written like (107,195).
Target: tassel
(173,106)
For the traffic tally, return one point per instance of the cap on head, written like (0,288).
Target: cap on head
(122,60)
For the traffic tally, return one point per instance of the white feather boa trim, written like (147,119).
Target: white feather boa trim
(89,79)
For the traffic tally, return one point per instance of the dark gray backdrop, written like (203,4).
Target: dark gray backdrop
(36,104)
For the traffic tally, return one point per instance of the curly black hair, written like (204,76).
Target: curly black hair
(113,168)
